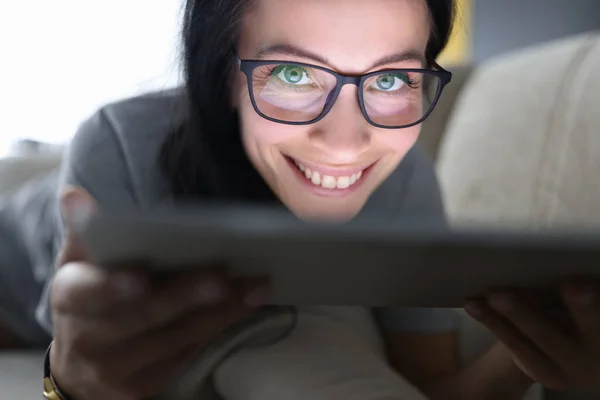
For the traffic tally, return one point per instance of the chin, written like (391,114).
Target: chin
(330,214)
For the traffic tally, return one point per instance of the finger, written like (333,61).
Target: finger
(76,207)
(529,359)
(85,290)
(162,305)
(205,288)
(110,320)
(192,331)
(183,293)
(547,336)
(582,299)
(104,318)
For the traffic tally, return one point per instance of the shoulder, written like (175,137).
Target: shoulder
(115,153)
(131,127)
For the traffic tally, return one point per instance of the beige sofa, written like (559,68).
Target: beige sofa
(522,148)
(516,141)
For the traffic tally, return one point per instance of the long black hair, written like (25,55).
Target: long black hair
(205,157)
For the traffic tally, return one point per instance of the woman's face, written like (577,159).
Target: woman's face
(350,156)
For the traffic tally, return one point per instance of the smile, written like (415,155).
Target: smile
(329,180)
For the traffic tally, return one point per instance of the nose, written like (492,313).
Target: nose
(344,134)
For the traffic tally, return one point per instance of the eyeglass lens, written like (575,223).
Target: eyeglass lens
(296,93)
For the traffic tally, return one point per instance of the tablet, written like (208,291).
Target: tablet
(372,261)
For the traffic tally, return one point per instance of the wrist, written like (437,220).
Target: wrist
(52,390)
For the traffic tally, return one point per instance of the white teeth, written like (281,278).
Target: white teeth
(343,182)
(300,166)
(316,178)
(327,181)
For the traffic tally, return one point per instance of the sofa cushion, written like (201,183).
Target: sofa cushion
(523,147)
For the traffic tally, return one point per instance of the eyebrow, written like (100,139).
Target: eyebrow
(410,55)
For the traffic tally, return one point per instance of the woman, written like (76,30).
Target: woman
(291,131)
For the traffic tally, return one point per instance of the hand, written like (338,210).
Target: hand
(557,351)
(123,336)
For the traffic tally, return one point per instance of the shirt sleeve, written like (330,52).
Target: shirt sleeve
(94,162)
(26,255)
(420,197)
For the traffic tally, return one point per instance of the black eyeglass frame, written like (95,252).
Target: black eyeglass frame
(247,67)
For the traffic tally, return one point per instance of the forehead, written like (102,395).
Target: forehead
(350,34)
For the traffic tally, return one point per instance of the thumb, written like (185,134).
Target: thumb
(76,207)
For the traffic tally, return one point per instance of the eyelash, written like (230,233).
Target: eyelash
(413,83)
(268,72)
(272,69)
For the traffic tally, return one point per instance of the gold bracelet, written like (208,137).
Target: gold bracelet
(51,390)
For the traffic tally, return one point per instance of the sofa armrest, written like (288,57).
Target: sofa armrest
(16,171)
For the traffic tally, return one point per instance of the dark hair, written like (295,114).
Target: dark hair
(205,156)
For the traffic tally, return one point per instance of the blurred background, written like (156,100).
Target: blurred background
(63,59)
(487,28)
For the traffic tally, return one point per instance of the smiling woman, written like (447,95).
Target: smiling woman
(314,106)
(318,120)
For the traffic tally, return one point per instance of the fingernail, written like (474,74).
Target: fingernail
(257,297)
(474,309)
(128,285)
(502,302)
(210,292)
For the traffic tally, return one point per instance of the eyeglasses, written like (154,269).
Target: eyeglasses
(301,94)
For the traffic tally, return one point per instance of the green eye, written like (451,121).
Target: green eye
(392,81)
(292,74)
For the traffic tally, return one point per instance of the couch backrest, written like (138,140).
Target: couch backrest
(523,144)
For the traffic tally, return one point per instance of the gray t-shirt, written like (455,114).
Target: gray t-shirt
(115,157)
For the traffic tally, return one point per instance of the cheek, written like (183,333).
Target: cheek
(401,141)
(262,131)
(256,129)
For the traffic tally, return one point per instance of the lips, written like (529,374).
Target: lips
(330,178)
(320,178)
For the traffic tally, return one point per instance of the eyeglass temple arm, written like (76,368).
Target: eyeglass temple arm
(237,56)
(440,68)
